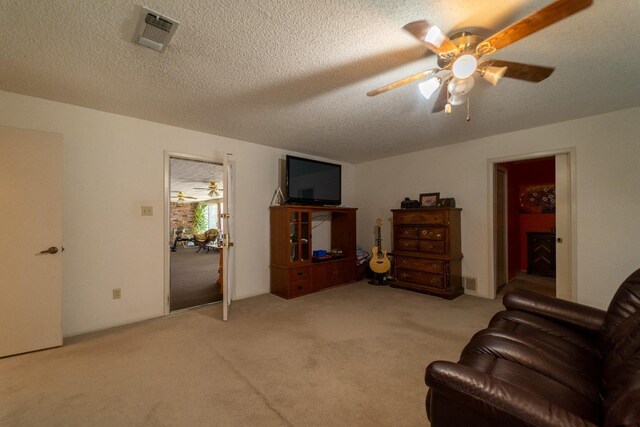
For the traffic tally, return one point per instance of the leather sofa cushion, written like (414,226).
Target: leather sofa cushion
(625,303)
(533,385)
(578,378)
(539,328)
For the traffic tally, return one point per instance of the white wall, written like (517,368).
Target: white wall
(608,194)
(114,164)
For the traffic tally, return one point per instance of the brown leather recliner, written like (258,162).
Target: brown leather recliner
(545,362)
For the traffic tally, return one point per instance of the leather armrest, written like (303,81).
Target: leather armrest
(577,315)
(491,397)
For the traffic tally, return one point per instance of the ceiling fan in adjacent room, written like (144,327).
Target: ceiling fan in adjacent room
(215,191)
(180,197)
(459,56)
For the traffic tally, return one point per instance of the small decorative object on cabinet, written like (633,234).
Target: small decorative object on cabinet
(294,271)
(427,249)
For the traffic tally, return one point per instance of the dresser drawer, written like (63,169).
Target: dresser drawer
(421,264)
(406,232)
(421,278)
(426,217)
(431,246)
(431,233)
(405,245)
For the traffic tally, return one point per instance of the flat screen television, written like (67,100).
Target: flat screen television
(312,182)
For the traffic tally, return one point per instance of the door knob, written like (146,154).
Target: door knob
(559,240)
(51,250)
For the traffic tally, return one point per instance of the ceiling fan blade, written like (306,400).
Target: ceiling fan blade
(441,100)
(431,36)
(403,82)
(516,70)
(544,17)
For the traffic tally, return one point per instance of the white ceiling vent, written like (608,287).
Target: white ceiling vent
(154,30)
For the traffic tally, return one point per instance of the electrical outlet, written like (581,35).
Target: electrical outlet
(146,210)
(117,293)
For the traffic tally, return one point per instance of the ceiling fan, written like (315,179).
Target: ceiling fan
(181,197)
(214,189)
(459,56)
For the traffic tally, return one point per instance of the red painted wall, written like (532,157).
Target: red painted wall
(519,176)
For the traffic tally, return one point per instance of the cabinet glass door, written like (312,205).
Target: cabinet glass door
(299,238)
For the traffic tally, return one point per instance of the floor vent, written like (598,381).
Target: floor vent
(154,30)
(469,284)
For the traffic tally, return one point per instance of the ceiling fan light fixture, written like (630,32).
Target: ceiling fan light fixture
(493,74)
(464,66)
(459,87)
(457,99)
(427,88)
(435,36)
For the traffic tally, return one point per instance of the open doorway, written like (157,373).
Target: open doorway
(195,233)
(525,223)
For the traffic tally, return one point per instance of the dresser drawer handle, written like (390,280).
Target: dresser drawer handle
(404,275)
(434,267)
(429,246)
(434,281)
(405,232)
(300,273)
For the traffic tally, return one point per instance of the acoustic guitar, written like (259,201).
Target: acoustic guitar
(379,263)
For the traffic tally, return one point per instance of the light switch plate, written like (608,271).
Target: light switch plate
(147,210)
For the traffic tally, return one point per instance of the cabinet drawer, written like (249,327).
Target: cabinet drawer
(437,217)
(300,288)
(421,264)
(432,233)
(421,278)
(299,273)
(405,245)
(431,246)
(406,232)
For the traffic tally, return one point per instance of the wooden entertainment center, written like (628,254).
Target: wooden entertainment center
(294,271)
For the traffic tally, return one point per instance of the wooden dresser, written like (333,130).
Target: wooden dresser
(427,251)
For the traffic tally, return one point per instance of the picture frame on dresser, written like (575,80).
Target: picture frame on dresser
(429,200)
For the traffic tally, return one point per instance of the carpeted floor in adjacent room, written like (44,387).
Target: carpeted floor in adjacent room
(349,356)
(193,277)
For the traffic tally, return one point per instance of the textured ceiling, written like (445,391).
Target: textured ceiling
(192,178)
(294,74)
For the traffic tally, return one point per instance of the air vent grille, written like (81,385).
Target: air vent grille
(469,284)
(155,31)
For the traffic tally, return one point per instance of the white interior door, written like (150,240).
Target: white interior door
(31,250)
(228,250)
(563,227)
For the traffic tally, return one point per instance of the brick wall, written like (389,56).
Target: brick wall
(181,215)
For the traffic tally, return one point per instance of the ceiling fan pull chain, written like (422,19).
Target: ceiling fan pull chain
(468,113)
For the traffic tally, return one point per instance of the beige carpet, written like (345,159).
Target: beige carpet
(349,356)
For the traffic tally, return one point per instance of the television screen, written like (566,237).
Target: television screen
(313,182)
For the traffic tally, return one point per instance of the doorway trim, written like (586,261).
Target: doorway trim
(491,163)
(168,155)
